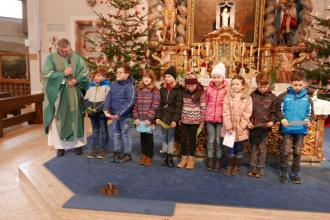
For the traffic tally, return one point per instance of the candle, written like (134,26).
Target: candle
(207,49)
(243,49)
(258,52)
(192,51)
(251,49)
(199,49)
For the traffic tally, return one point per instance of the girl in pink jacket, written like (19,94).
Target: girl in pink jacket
(214,97)
(237,110)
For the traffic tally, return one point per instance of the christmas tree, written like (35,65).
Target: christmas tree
(320,51)
(122,38)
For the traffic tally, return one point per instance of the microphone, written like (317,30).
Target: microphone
(69,63)
(69,58)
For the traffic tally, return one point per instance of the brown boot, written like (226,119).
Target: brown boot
(183,162)
(230,165)
(148,161)
(142,159)
(236,168)
(217,166)
(191,163)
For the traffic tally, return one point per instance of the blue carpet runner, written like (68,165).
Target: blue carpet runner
(155,190)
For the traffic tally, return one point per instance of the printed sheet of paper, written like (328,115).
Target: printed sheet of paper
(143,128)
(292,123)
(229,139)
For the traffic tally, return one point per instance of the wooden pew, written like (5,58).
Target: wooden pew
(11,104)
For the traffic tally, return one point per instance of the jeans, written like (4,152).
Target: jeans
(258,142)
(213,134)
(168,140)
(121,129)
(296,140)
(147,144)
(188,139)
(100,127)
(236,151)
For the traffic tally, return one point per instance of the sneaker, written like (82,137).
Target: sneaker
(284,179)
(102,154)
(115,157)
(126,158)
(78,151)
(60,152)
(209,164)
(92,154)
(296,179)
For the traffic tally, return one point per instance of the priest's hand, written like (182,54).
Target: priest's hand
(72,82)
(68,71)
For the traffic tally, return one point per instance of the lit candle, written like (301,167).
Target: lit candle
(251,49)
(192,51)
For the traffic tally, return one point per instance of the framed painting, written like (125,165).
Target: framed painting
(245,18)
(14,66)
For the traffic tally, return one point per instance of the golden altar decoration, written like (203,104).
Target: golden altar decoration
(225,45)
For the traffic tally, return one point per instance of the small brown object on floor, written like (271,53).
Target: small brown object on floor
(109,190)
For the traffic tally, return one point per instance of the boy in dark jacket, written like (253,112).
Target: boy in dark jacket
(262,119)
(94,101)
(169,112)
(294,108)
(120,100)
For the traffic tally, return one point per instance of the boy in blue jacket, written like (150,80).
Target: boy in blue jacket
(294,109)
(120,101)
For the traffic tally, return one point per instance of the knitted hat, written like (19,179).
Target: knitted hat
(171,71)
(219,70)
(192,81)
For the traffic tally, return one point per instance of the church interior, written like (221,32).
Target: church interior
(51,55)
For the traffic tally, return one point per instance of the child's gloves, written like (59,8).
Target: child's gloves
(285,123)
(307,122)
(107,114)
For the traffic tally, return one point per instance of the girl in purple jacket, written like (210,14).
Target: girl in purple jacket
(147,101)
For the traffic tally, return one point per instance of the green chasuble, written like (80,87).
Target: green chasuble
(62,103)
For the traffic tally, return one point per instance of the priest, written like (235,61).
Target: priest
(65,77)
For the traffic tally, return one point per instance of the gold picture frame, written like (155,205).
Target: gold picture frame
(204,27)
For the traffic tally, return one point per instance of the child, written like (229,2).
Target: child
(214,96)
(262,119)
(192,118)
(169,112)
(294,108)
(237,111)
(147,102)
(120,100)
(94,101)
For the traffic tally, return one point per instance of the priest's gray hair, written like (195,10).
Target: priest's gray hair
(63,43)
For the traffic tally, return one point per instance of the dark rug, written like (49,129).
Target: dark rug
(155,190)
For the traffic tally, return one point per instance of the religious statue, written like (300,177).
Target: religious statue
(182,21)
(225,17)
(169,20)
(287,22)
